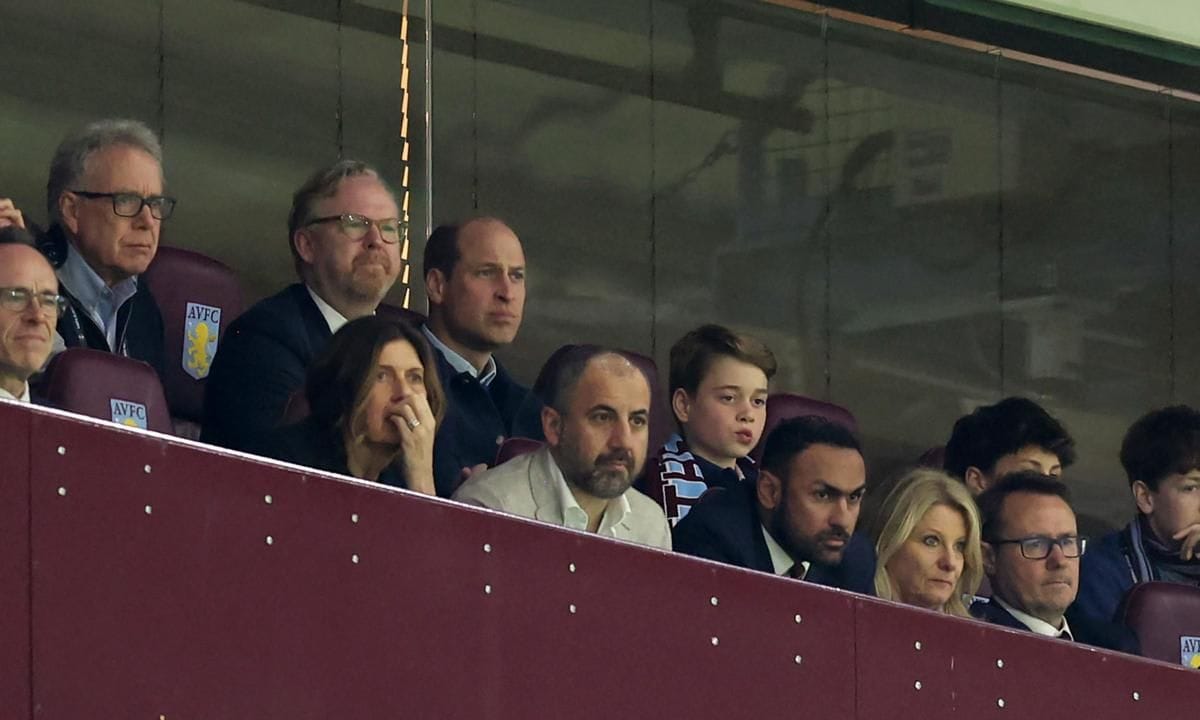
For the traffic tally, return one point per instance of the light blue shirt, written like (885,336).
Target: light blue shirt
(460,363)
(101,302)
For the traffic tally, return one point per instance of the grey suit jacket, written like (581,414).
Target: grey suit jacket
(532,486)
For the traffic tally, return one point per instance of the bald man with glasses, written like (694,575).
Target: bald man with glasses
(1031,551)
(106,208)
(345,234)
(29,307)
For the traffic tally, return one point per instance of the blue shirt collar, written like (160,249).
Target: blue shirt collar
(460,363)
(99,300)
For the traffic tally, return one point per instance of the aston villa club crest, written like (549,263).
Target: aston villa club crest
(128,413)
(1189,651)
(200,339)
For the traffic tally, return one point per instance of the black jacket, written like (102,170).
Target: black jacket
(307,443)
(724,526)
(140,333)
(261,361)
(477,420)
(1084,629)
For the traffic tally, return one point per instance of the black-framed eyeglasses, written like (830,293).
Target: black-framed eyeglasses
(1039,547)
(356,227)
(17,299)
(130,204)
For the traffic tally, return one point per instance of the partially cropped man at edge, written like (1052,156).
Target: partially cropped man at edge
(475,282)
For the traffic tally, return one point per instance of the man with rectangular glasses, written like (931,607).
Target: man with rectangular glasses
(1031,550)
(106,207)
(345,234)
(29,307)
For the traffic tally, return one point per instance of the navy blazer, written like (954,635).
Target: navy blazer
(307,443)
(261,361)
(724,526)
(1084,628)
(477,420)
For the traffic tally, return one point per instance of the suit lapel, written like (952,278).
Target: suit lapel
(548,506)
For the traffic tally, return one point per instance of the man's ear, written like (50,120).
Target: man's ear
(305,246)
(975,480)
(989,558)
(68,209)
(551,425)
(681,404)
(435,286)
(769,490)
(1143,496)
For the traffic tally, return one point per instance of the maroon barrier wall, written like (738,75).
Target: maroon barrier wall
(171,580)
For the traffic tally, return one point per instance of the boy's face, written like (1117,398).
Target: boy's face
(724,420)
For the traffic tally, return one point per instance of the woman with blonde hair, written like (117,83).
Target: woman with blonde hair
(927,542)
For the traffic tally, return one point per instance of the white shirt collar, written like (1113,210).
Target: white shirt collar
(460,363)
(781,562)
(334,319)
(575,517)
(24,397)
(1036,625)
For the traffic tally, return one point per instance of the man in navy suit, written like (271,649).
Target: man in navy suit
(1031,554)
(345,235)
(797,519)
(475,282)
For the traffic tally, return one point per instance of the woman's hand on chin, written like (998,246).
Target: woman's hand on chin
(417,427)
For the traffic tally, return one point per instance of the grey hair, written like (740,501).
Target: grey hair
(323,184)
(70,159)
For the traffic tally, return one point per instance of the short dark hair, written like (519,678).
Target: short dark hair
(339,378)
(795,435)
(1160,443)
(441,250)
(13,235)
(561,372)
(324,183)
(993,431)
(991,501)
(693,354)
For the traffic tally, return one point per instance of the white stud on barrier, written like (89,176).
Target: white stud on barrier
(1000,702)
(487,547)
(149,509)
(354,559)
(62,491)
(799,619)
(571,567)
(917,685)
(1136,696)
(487,589)
(917,645)
(571,608)
(713,600)
(799,659)
(999,663)
(354,518)
(268,499)
(146,469)
(62,450)
(270,540)
(715,641)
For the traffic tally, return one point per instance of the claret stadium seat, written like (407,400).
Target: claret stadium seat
(107,386)
(1166,618)
(199,297)
(784,406)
